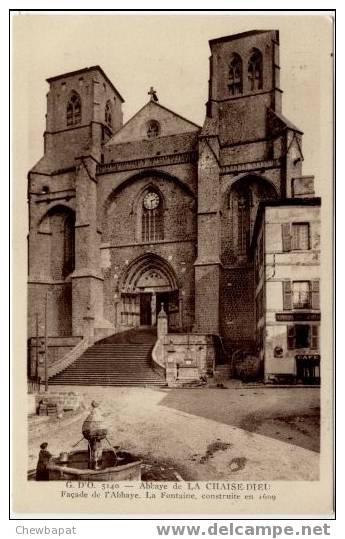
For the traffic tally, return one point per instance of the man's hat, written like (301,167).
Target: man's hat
(44,445)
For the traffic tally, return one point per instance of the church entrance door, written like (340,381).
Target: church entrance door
(145,310)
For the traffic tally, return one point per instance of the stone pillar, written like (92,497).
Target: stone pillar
(87,280)
(153,308)
(207,265)
(162,323)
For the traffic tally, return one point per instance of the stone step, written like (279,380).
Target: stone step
(111,384)
(114,362)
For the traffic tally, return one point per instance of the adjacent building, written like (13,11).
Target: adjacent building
(286,244)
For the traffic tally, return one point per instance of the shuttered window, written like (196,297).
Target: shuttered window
(291,337)
(287,295)
(300,236)
(302,336)
(301,295)
(315,294)
(286,236)
(295,236)
(314,339)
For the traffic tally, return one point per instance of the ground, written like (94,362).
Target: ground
(238,433)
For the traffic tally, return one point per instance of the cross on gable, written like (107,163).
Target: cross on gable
(153,93)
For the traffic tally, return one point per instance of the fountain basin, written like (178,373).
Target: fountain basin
(120,467)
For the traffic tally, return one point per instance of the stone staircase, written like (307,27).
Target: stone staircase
(120,360)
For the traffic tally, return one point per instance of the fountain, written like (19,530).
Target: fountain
(96,463)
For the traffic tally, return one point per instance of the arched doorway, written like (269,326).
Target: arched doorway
(148,282)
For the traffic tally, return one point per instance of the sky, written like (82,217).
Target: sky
(168,52)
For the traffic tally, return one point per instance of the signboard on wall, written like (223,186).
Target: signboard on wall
(298,317)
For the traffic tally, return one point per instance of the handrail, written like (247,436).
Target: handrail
(69,358)
(154,353)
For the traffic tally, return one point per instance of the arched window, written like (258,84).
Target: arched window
(235,75)
(69,245)
(243,223)
(245,197)
(108,115)
(153,129)
(74,109)
(255,70)
(152,217)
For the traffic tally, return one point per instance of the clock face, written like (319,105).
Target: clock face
(151,201)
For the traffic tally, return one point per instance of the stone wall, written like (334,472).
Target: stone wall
(186,357)
(65,400)
(57,348)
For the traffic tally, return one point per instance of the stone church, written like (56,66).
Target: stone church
(157,214)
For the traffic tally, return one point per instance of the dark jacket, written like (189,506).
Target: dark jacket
(42,474)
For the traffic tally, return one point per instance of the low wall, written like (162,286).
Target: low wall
(65,400)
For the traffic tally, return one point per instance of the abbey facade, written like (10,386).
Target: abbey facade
(125,218)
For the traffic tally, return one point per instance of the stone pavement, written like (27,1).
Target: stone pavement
(147,422)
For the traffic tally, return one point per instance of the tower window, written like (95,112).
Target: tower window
(235,75)
(152,217)
(255,70)
(74,110)
(243,223)
(153,129)
(108,115)
(69,245)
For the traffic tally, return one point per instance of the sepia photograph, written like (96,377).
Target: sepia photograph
(173,208)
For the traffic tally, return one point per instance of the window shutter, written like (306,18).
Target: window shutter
(315,294)
(314,339)
(291,337)
(287,295)
(286,236)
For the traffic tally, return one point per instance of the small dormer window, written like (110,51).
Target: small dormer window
(153,129)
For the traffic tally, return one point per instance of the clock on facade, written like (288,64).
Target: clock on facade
(151,200)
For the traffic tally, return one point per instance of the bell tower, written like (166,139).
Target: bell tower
(248,152)
(83,110)
(243,84)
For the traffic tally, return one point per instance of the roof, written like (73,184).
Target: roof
(232,37)
(150,103)
(86,70)
(287,122)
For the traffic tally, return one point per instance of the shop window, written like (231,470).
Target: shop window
(303,336)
